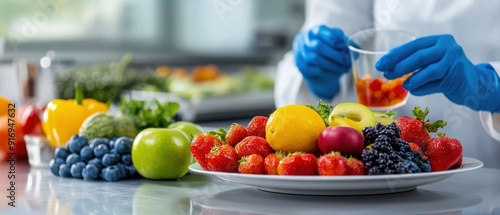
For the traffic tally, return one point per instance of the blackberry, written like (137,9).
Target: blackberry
(388,154)
(402,146)
(370,134)
(393,126)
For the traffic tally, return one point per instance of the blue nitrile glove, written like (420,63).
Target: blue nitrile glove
(442,67)
(322,56)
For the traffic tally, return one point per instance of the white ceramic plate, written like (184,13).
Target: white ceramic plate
(339,185)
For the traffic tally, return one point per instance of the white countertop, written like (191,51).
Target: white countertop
(40,192)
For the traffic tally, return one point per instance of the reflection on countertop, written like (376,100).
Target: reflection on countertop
(37,191)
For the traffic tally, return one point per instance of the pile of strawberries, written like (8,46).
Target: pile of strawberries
(443,152)
(246,150)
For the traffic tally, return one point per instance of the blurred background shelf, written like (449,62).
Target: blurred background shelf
(44,43)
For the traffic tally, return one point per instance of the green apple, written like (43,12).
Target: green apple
(190,128)
(161,153)
(352,114)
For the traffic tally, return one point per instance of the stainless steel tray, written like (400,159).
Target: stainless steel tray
(220,107)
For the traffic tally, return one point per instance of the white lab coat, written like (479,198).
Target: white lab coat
(473,23)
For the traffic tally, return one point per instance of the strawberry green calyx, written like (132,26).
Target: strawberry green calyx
(391,114)
(294,153)
(220,134)
(215,148)
(334,153)
(430,127)
(441,134)
(280,154)
(243,159)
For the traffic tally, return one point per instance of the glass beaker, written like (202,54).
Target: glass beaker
(372,89)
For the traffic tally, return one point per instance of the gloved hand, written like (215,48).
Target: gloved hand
(322,56)
(441,66)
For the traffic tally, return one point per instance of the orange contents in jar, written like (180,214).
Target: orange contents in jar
(380,92)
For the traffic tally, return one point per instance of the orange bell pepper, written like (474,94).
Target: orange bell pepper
(4,102)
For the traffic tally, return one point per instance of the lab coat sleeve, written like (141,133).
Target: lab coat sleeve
(491,121)
(349,16)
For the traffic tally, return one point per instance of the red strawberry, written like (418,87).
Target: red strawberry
(443,152)
(235,134)
(417,129)
(332,164)
(253,145)
(251,164)
(201,146)
(271,163)
(355,167)
(458,164)
(415,147)
(222,158)
(298,164)
(257,126)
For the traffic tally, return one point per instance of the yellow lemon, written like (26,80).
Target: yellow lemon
(294,128)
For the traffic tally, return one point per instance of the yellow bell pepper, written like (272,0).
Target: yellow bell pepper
(62,118)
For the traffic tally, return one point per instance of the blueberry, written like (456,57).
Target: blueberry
(61,152)
(72,159)
(76,143)
(76,169)
(113,151)
(127,159)
(111,173)
(132,172)
(426,167)
(103,172)
(112,142)
(123,145)
(90,172)
(65,171)
(110,159)
(123,170)
(96,162)
(55,164)
(100,150)
(98,141)
(86,153)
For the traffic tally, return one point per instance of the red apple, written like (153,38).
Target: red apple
(343,139)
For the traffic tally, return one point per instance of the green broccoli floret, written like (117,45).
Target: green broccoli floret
(324,109)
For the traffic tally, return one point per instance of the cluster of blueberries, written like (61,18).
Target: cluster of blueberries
(109,159)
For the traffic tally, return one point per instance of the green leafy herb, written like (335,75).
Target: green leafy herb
(324,109)
(147,114)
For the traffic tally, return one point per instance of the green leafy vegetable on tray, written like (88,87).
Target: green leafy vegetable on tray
(147,114)
(248,80)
